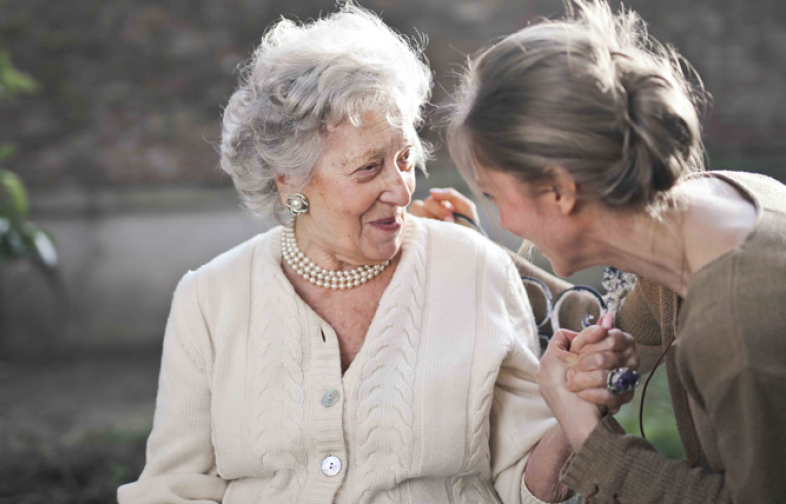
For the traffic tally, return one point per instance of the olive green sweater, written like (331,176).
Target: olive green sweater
(726,371)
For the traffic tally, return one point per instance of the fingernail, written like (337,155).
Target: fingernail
(437,190)
(607,321)
(449,218)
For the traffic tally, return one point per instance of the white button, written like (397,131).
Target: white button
(331,465)
(330,398)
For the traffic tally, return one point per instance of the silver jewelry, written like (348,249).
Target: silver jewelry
(335,280)
(617,284)
(297,203)
(622,380)
(589,318)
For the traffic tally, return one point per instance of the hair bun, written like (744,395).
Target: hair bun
(591,93)
(660,130)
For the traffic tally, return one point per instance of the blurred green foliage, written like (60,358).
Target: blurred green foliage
(12,81)
(19,238)
(660,425)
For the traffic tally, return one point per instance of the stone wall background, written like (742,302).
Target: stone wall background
(132,89)
(117,148)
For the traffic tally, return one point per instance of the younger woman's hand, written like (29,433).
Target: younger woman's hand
(441,204)
(601,349)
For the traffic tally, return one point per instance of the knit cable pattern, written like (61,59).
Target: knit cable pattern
(280,395)
(386,393)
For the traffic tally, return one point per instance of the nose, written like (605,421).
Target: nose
(398,187)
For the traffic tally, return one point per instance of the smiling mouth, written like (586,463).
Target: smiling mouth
(388,224)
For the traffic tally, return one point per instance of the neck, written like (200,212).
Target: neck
(309,243)
(301,264)
(641,244)
(713,218)
(653,249)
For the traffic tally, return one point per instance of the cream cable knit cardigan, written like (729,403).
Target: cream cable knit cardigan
(439,406)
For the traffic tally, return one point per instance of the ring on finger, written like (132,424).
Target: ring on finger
(621,380)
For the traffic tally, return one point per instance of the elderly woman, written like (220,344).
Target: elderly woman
(356,354)
(585,134)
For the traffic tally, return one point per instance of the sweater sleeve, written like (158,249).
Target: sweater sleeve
(615,467)
(612,465)
(180,464)
(519,416)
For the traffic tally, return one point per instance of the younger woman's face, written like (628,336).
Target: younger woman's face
(532,213)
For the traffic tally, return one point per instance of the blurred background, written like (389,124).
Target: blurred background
(111,191)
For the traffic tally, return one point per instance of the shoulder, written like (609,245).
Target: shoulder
(225,280)
(449,238)
(766,192)
(238,260)
(733,314)
(471,259)
(755,180)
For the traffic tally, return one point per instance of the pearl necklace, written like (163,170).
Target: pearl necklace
(336,280)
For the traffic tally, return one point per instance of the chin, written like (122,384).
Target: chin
(380,247)
(561,269)
(563,272)
(387,250)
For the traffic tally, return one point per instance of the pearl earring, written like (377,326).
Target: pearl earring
(297,203)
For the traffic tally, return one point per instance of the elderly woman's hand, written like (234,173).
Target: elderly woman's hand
(442,204)
(576,416)
(600,349)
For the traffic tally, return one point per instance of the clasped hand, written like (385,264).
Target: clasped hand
(573,373)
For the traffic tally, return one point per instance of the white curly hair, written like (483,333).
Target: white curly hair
(306,76)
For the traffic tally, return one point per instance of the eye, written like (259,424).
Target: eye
(368,168)
(406,159)
(488,196)
(367,172)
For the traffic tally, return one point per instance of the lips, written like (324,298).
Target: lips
(388,224)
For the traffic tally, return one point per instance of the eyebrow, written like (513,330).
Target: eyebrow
(362,158)
(372,154)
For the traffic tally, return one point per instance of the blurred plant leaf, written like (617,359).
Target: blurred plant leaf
(41,244)
(19,237)
(12,244)
(13,197)
(7,150)
(12,81)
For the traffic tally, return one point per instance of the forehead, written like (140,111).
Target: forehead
(373,136)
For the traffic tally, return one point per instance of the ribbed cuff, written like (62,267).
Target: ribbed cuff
(583,472)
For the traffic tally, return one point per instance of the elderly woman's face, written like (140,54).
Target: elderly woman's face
(360,190)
